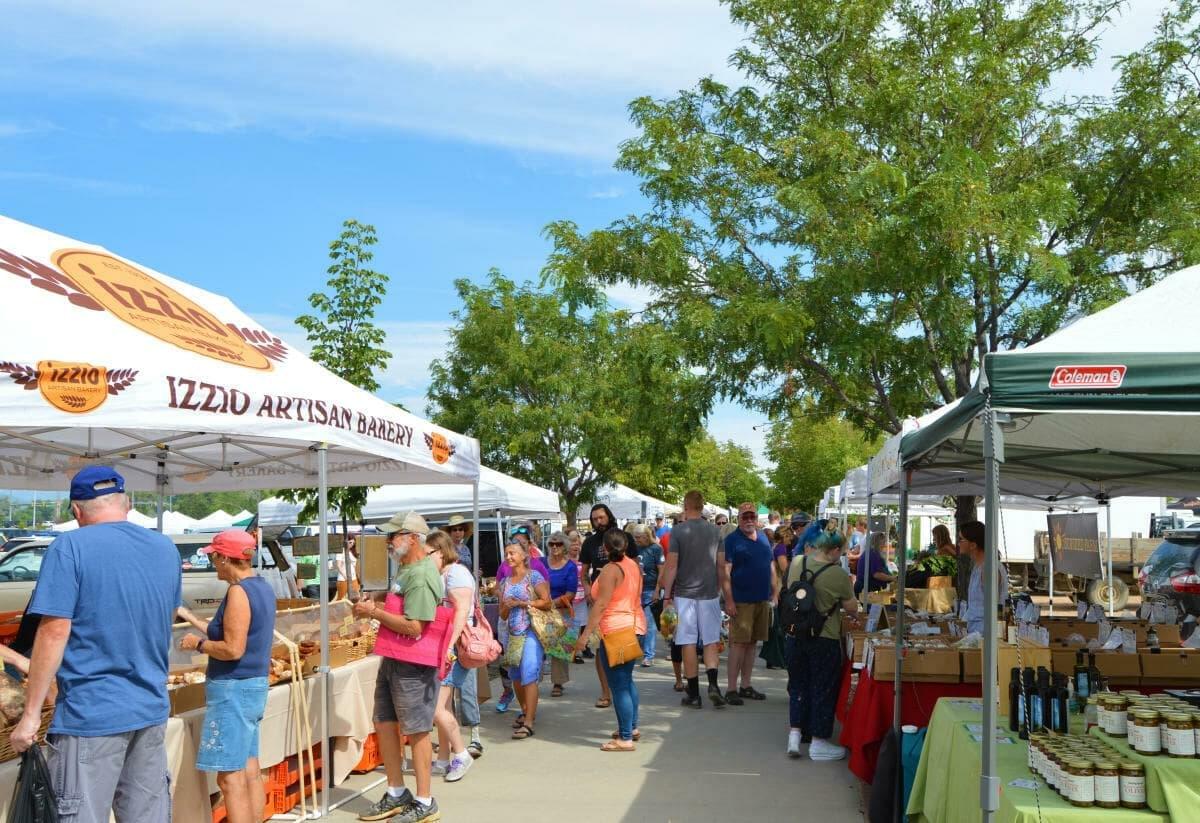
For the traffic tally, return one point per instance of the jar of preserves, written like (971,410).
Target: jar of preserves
(1054,772)
(1196,730)
(1108,784)
(1145,736)
(1081,783)
(1115,708)
(1180,740)
(1133,784)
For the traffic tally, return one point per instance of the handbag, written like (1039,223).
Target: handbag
(427,650)
(621,646)
(476,645)
(515,651)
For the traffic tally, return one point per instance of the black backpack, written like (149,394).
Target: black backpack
(799,617)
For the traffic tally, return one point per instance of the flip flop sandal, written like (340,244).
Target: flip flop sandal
(522,733)
(617,746)
(637,735)
(603,703)
(678,687)
(557,691)
(520,721)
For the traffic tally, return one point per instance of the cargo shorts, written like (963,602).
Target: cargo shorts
(125,773)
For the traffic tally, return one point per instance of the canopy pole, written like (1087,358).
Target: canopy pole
(475,530)
(499,537)
(864,551)
(993,456)
(1050,559)
(323,579)
(160,482)
(1108,545)
(898,683)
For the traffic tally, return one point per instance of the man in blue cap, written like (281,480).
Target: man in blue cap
(107,594)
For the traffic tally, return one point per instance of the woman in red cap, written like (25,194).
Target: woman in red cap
(238,644)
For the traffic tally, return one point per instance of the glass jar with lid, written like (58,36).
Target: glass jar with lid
(1180,738)
(1133,784)
(1108,784)
(1115,707)
(1145,736)
(1081,782)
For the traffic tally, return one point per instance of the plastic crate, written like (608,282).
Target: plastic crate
(288,772)
(282,800)
(371,758)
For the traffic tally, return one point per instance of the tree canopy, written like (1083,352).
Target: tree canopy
(811,454)
(724,472)
(563,396)
(900,188)
(346,340)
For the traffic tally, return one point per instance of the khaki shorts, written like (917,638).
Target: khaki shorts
(752,623)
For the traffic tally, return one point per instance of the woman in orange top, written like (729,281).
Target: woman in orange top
(617,604)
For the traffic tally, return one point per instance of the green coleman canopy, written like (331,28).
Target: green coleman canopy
(1107,406)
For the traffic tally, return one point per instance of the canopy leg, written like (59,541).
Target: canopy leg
(898,684)
(475,531)
(993,456)
(323,580)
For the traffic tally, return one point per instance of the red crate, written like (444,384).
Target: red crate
(283,800)
(371,758)
(288,772)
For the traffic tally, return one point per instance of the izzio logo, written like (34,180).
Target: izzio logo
(1069,378)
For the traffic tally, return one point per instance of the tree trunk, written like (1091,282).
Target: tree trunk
(965,509)
(569,507)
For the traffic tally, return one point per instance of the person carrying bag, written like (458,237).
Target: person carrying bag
(33,799)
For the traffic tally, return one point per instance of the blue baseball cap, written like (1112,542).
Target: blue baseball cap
(95,481)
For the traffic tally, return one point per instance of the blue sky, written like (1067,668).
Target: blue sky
(224,142)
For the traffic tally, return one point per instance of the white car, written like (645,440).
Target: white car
(19,570)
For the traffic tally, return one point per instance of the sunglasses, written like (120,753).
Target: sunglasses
(557,543)
(458,528)
(749,516)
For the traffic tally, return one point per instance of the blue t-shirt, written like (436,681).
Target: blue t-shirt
(119,584)
(750,567)
(661,530)
(650,559)
(564,580)
(256,659)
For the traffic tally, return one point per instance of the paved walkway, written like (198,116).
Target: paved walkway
(726,765)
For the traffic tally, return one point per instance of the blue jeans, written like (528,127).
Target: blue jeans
(467,698)
(624,694)
(231,720)
(648,640)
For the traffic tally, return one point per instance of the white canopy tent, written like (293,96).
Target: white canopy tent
(172,522)
(628,504)
(220,519)
(105,361)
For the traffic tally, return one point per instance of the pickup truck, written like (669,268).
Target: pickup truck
(19,572)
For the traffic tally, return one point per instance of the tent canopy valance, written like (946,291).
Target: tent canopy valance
(106,361)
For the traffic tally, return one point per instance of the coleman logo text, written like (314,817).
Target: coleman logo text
(1068,378)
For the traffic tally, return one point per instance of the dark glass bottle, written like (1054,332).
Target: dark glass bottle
(1080,676)
(1016,714)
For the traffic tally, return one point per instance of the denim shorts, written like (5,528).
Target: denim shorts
(230,734)
(457,677)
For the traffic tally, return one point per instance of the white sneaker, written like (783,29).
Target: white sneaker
(793,746)
(458,767)
(440,767)
(824,750)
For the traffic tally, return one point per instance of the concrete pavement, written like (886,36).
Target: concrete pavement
(718,765)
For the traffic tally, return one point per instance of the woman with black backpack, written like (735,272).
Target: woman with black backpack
(817,591)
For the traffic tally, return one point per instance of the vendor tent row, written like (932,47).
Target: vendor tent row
(1106,407)
(177,523)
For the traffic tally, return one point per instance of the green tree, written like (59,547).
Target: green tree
(724,473)
(560,396)
(811,454)
(201,504)
(346,341)
(898,191)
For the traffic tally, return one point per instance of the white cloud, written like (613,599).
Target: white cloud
(541,75)
(730,421)
(61,181)
(22,128)
(610,193)
(628,296)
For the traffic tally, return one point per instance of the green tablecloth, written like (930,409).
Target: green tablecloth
(946,786)
(1172,783)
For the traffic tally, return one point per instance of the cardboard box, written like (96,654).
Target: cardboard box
(338,657)
(1008,657)
(1062,628)
(933,601)
(1174,667)
(930,665)
(187,698)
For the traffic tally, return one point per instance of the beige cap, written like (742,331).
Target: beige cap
(406,522)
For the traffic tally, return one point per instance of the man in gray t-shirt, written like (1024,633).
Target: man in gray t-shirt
(694,578)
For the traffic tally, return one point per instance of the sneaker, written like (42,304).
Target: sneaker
(388,806)
(733,698)
(420,813)
(647,662)
(505,701)
(714,697)
(578,658)
(691,702)
(589,654)
(793,744)
(751,693)
(440,767)
(458,768)
(824,750)
(475,749)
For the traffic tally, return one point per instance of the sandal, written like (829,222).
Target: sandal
(618,746)
(637,735)
(522,733)
(520,721)
(603,702)
(557,691)
(678,687)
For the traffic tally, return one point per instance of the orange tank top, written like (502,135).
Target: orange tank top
(625,607)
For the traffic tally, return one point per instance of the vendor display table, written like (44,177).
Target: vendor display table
(946,786)
(352,689)
(1172,783)
(867,718)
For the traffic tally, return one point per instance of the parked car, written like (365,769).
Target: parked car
(19,570)
(1173,570)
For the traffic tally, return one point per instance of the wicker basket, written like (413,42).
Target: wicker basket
(356,648)
(7,752)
